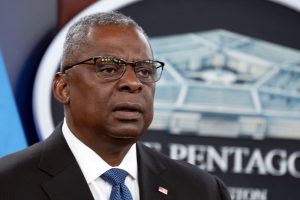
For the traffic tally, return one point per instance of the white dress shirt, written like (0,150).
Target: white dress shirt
(93,166)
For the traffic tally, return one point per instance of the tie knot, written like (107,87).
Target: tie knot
(114,176)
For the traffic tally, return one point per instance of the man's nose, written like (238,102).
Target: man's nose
(129,82)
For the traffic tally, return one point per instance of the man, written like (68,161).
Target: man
(107,85)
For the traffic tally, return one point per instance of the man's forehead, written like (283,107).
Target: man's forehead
(114,40)
(111,28)
(111,32)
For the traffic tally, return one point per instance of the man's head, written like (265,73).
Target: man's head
(96,105)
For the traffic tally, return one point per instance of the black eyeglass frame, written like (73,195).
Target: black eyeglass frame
(120,62)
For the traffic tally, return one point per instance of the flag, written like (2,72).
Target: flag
(163,190)
(12,136)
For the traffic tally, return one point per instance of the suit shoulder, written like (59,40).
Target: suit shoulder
(187,176)
(19,160)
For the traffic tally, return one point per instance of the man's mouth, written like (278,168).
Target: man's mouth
(127,111)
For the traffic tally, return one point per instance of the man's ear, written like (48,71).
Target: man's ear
(61,88)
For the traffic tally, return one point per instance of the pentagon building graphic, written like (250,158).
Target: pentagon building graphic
(219,83)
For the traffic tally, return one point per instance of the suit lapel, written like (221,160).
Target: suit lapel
(67,180)
(153,180)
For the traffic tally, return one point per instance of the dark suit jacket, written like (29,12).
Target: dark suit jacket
(48,170)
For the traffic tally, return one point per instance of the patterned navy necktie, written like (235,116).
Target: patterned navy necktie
(116,178)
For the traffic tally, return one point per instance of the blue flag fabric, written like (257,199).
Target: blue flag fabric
(12,136)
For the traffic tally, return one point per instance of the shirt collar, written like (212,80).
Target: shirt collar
(91,164)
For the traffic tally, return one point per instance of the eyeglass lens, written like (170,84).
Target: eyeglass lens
(110,68)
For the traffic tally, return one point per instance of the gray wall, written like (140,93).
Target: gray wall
(22,25)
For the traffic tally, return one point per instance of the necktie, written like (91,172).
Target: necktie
(116,178)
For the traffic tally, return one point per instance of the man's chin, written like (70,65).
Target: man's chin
(123,137)
(127,130)
(131,136)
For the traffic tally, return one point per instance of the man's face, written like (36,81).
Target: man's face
(117,109)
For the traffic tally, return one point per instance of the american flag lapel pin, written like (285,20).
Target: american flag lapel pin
(163,190)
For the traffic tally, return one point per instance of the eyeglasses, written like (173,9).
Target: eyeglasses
(110,68)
